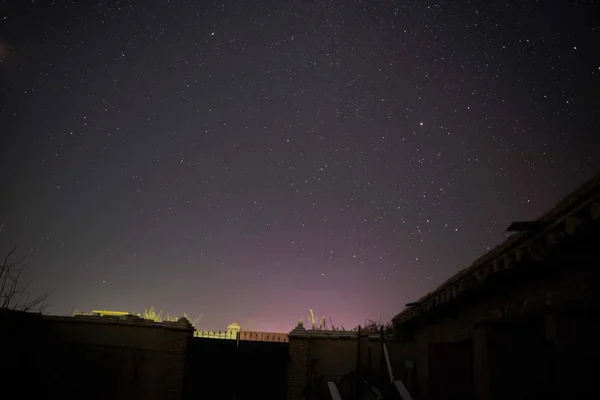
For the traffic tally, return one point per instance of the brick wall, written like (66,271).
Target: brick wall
(150,356)
(317,357)
(75,357)
(298,368)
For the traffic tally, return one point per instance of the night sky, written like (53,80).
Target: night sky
(249,160)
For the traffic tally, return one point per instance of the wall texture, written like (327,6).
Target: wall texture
(317,357)
(93,357)
(557,311)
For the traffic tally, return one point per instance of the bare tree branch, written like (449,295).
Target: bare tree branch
(13,292)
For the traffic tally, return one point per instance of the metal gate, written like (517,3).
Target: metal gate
(235,369)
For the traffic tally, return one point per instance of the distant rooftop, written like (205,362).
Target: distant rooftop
(122,317)
(108,314)
(584,197)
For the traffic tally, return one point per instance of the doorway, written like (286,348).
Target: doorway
(519,360)
(451,370)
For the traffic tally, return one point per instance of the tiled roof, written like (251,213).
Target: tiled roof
(580,208)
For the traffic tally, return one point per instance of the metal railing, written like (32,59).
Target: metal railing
(244,335)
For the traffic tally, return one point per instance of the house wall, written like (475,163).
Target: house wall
(528,332)
(539,325)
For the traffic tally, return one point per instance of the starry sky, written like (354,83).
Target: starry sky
(249,160)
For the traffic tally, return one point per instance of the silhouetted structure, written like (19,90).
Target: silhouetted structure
(119,355)
(235,369)
(92,357)
(234,332)
(522,321)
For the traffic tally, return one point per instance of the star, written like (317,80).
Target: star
(246,164)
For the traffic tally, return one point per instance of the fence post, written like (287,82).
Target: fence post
(298,368)
(382,355)
(357,370)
